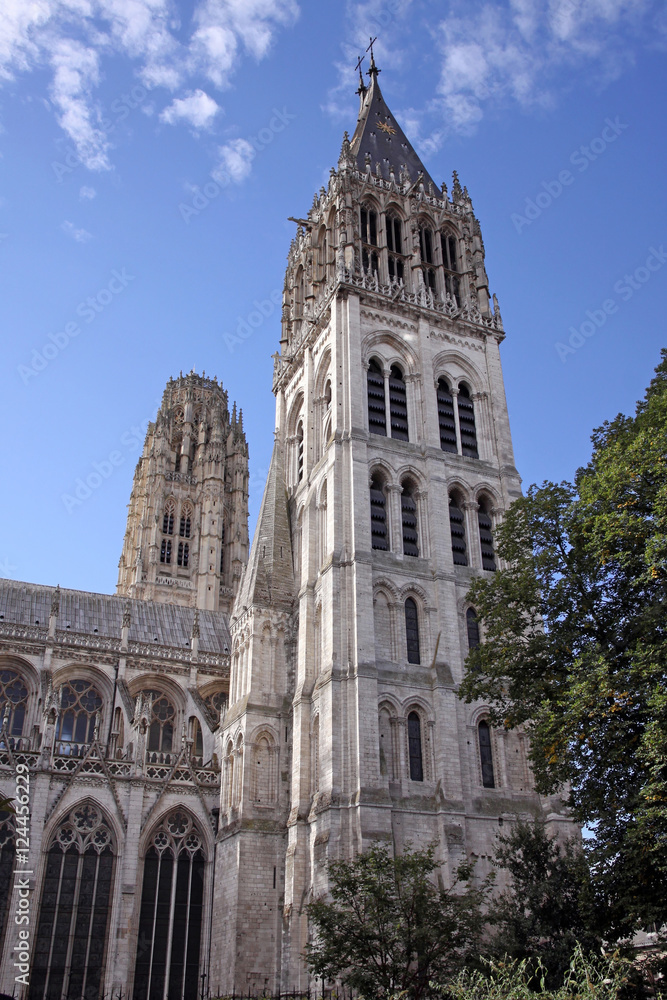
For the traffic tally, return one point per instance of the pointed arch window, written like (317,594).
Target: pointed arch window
(415,747)
(446,417)
(13,702)
(467,423)
(377,415)
(170,919)
(398,404)
(472,628)
(168,518)
(426,253)
(161,727)
(379,533)
(216,702)
(395,247)
(7,858)
(196,737)
(80,713)
(450,262)
(412,630)
(369,237)
(186,522)
(165,552)
(71,941)
(458,533)
(486,755)
(486,537)
(183,557)
(409,519)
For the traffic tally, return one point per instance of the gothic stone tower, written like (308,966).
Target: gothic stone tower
(187,528)
(392,463)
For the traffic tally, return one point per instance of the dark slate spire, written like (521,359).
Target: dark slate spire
(379,134)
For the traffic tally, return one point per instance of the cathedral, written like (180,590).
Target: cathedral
(196,748)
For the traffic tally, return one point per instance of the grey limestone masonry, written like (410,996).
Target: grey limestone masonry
(254,713)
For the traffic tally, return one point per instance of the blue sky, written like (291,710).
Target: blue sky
(118,116)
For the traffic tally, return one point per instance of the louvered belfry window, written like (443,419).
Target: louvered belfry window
(486,539)
(170,918)
(415,747)
(394,247)
(412,630)
(451,265)
(409,519)
(472,627)
(377,417)
(446,417)
(369,236)
(458,533)
(467,423)
(165,552)
(379,534)
(398,404)
(486,755)
(183,554)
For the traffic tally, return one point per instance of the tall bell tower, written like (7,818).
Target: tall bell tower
(392,464)
(187,527)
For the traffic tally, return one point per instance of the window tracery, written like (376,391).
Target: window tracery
(168,518)
(161,726)
(80,712)
(13,702)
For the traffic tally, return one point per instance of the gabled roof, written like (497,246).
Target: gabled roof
(268,578)
(379,134)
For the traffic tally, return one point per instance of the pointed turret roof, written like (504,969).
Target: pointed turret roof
(268,578)
(379,134)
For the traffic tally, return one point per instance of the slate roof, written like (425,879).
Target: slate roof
(102,615)
(379,134)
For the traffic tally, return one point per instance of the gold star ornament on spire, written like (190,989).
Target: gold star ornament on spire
(386,127)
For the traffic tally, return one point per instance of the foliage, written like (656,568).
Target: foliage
(390,926)
(549,908)
(575,648)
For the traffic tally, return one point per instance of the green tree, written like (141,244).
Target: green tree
(549,907)
(390,925)
(575,648)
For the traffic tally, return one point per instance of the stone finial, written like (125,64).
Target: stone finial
(457,192)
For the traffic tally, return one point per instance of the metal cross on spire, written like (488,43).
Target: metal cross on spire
(373,67)
(362,85)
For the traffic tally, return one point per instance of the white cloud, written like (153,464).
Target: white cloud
(87,193)
(235,161)
(80,235)
(198,109)
(73,38)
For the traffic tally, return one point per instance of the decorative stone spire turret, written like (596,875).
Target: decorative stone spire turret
(187,528)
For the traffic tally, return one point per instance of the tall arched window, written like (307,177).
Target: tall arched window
(486,537)
(183,554)
(446,417)
(170,919)
(377,417)
(426,253)
(369,239)
(165,551)
(80,712)
(161,727)
(415,747)
(13,702)
(398,404)
(379,533)
(458,533)
(395,247)
(196,737)
(486,755)
(186,521)
(299,451)
(467,423)
(386,745)
(7,858)
(298,294)
(472,627)
(168,518)
(409,519)
(216,702)
(71,940)
(450,262)
(323,252)
(412,631)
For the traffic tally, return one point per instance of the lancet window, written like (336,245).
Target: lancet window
(161,726)
(379,533)
(412,630)
(398,404)
(186,521)
(486,537)
(472,628)
(170,920)
(369,239)
(450,263)
(446,417)
(486,754)
(467,423)
(183,557)
(168,518)
(426,253)
(377,416)
(299,451)
(71,939)
(80,713)
(165,551)
(415,753)
(395,265)
(13,702)
(458,532)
